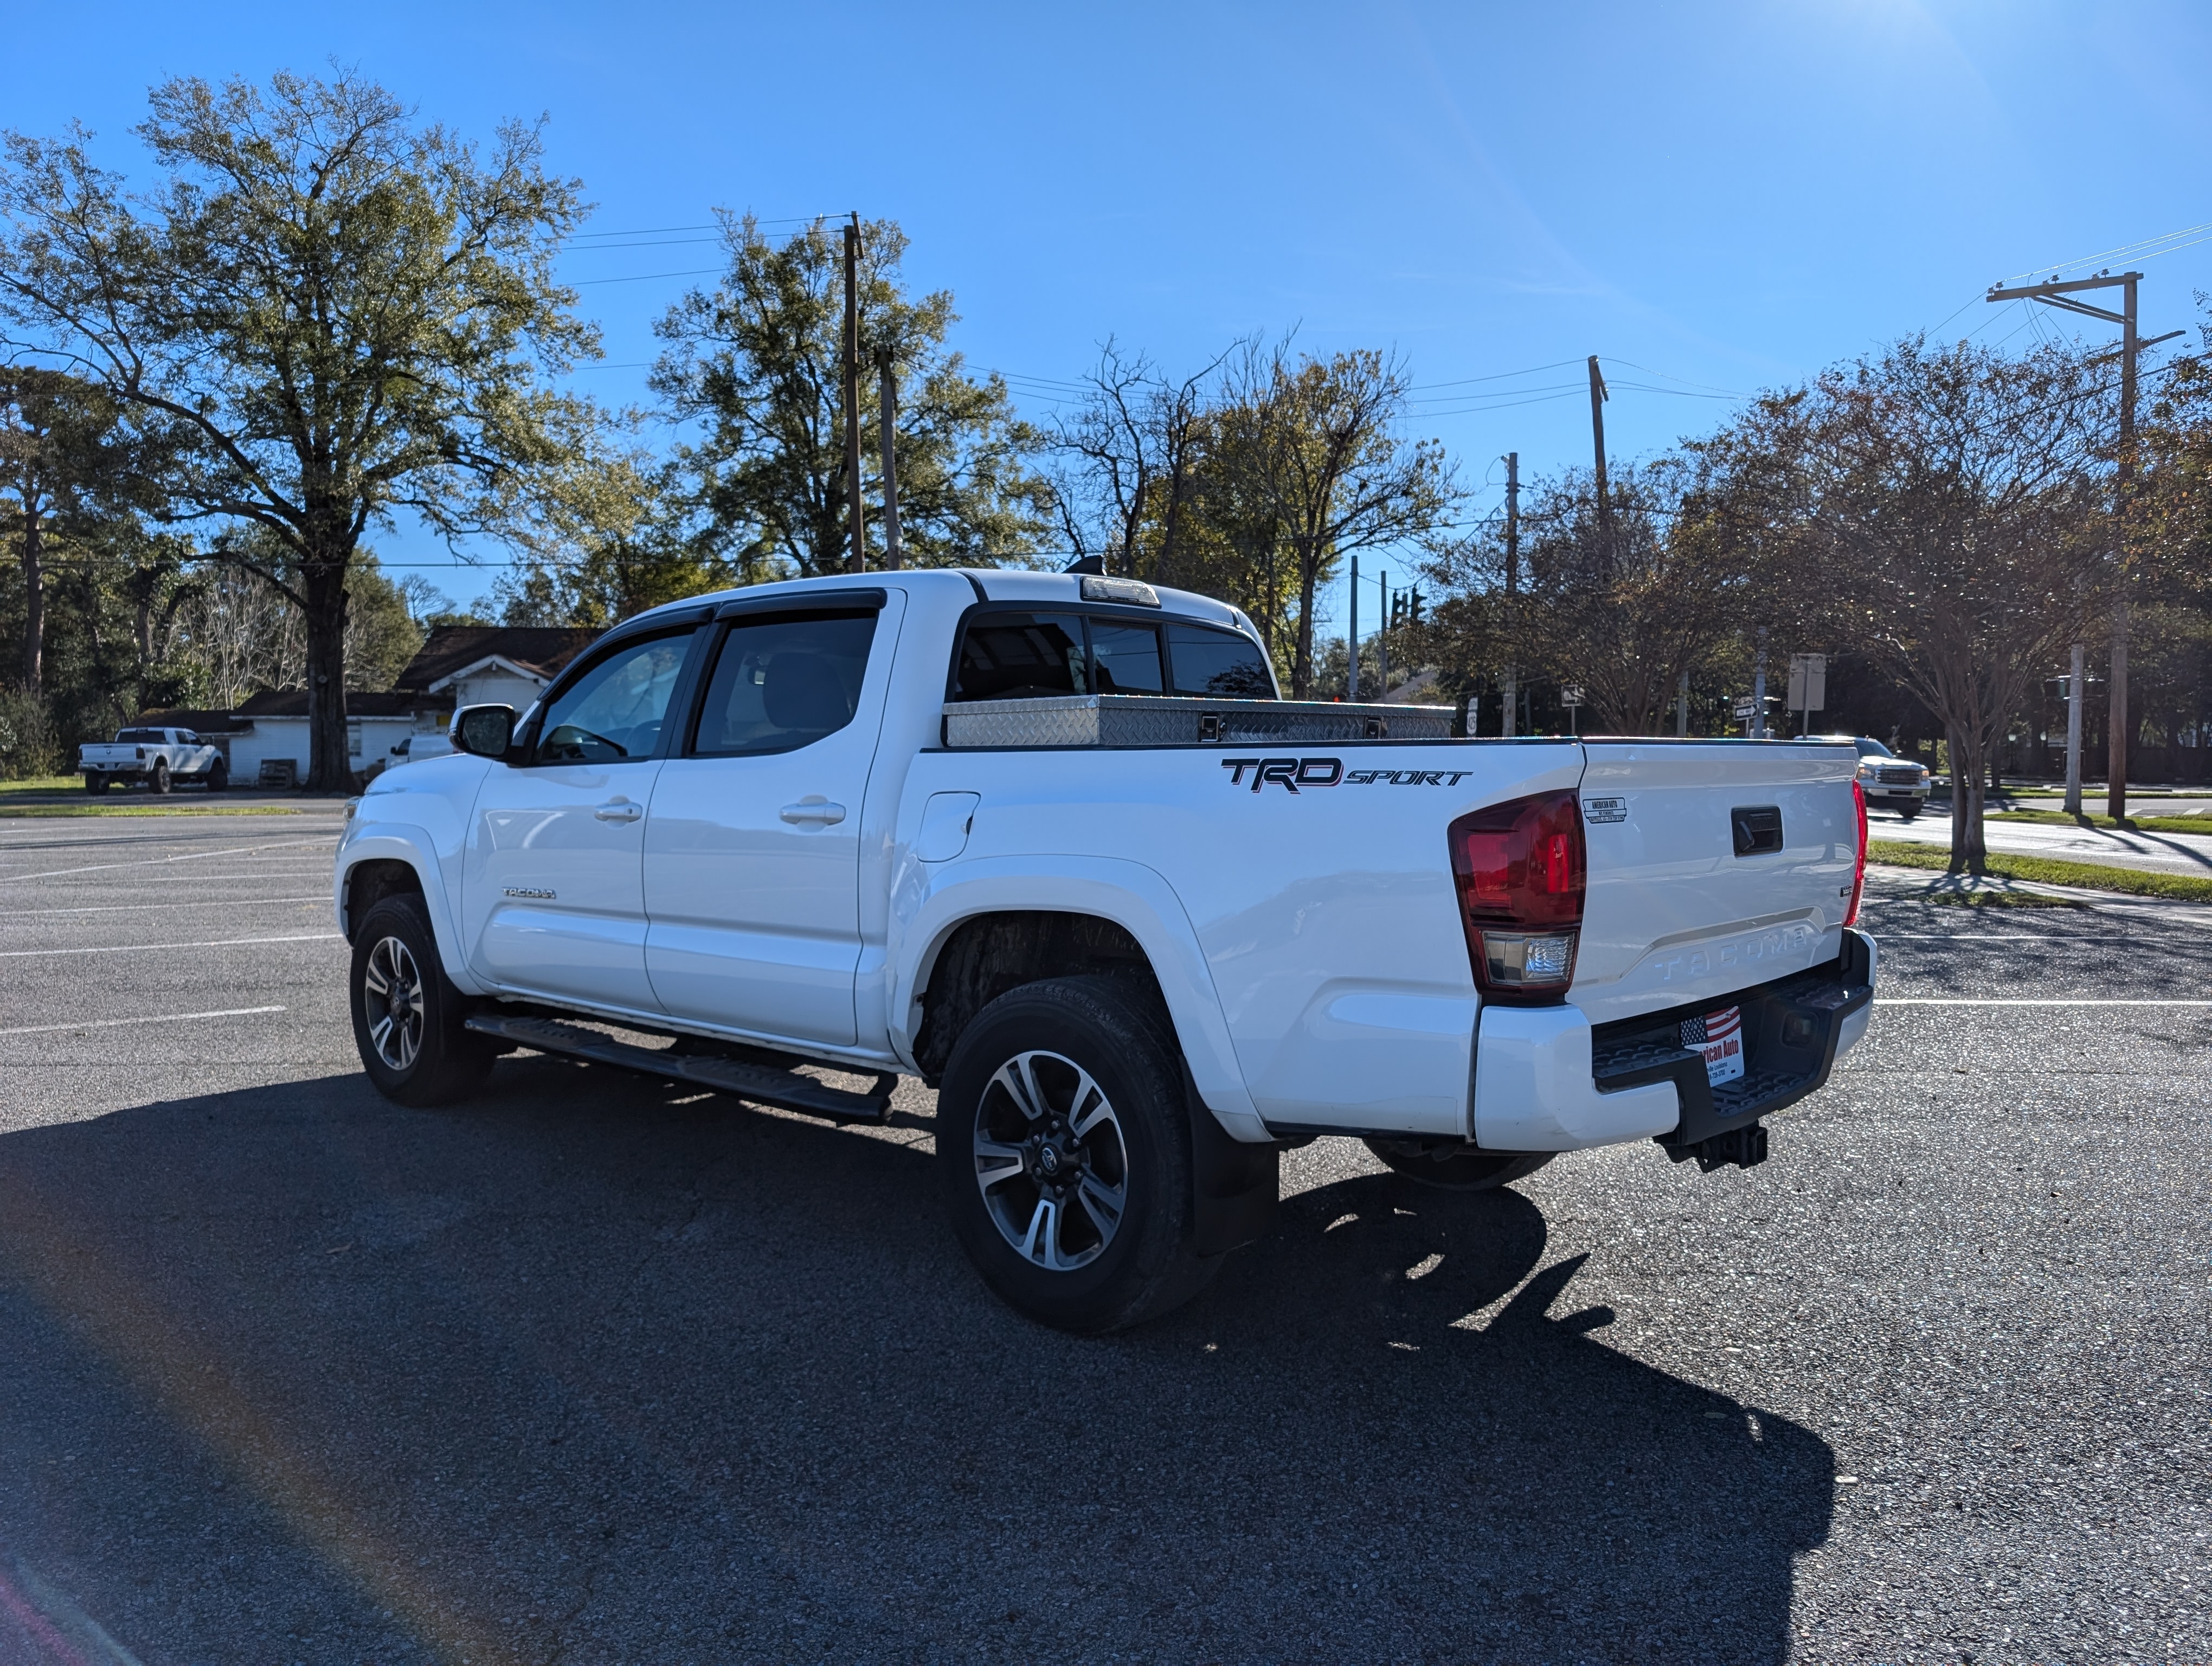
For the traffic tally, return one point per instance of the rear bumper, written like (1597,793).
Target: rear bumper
(1546,1080)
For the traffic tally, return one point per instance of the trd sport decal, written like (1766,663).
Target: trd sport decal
(1294,773)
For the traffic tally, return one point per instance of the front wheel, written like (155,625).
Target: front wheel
(409,1020)
(1063,1139)
(1909,812)
(1453,1164)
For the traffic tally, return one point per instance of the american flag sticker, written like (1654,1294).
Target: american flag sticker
(1719,1036)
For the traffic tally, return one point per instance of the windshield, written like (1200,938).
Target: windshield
(1872,748)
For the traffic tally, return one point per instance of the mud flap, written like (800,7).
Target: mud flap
(1235,1187)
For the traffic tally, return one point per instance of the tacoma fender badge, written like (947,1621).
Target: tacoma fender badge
(532,894)
(1604,810)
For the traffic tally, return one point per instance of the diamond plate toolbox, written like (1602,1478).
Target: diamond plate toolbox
(1122,719)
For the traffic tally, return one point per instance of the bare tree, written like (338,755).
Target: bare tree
(1135,441)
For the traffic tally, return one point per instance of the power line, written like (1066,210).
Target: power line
(656,231)
(642,278)
(1501,376)
(2147,249)
(651,243)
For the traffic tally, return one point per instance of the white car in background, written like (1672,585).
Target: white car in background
(1890,783)
(154,758)
(416,747)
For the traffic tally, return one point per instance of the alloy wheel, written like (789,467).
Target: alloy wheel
(1050,1161)
(392,1002)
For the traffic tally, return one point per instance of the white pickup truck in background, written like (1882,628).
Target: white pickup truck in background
(158,759)
(1051,843)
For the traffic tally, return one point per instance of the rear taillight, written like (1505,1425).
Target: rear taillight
(1858,873)
(1521,872)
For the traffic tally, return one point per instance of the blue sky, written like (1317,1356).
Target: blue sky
(1714,196)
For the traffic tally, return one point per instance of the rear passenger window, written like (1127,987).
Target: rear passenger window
(1128,657)
(1218,663)
(781,683)
(1021,656)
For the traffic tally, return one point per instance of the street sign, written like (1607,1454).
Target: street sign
(1809,682)
(1570,696)
(1743,707)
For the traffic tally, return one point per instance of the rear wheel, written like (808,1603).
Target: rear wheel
(1455,1165)
(409,1020)
(158,781)
(1063,1137)
(95,784)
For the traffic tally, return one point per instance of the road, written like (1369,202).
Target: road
(596,1370)
(2156,853)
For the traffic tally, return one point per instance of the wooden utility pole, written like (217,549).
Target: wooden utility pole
(887,415)
(1382,638)
(2062,295)
(1598,397)
(858,561)
(1509,682)
(1351,683)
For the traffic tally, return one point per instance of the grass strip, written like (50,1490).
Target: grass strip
(2042,870)
(2127,824)
(43,784)
(12,811)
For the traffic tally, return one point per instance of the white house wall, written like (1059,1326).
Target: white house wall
(287,737)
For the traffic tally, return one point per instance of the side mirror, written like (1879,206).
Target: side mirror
(485,731)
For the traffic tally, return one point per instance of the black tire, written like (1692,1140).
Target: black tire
(408,1018)
(95,784)
(157,779)
(218,776)
(1908,813)
(1453,1164)
(1119,1226)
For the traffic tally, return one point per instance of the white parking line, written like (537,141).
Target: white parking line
(117,1024)
(1959,937)
(149,908)
(159,861)
(1971,1001)
(144,948)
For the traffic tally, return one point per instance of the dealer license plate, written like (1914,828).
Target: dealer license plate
(1723,1045)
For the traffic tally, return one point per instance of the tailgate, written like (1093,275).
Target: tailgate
(1694,890)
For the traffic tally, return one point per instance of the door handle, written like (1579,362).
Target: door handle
(813,810)
(619,810)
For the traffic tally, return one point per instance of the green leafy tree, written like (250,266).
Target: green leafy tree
(335,315)
(1329,464)
(1622,609)
(603,542)
(1960,501)
(756,364)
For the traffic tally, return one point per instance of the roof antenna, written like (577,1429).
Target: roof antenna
(1094,566)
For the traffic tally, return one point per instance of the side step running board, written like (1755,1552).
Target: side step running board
(765,1085)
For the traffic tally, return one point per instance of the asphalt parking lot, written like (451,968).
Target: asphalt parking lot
(599,1371)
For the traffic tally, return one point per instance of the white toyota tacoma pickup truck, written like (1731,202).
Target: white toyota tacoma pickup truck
(159,758)
(1051,843)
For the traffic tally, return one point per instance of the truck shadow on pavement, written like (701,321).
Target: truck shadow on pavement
(591,1370)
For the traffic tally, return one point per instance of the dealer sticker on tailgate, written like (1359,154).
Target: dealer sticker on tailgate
(1719,1036)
